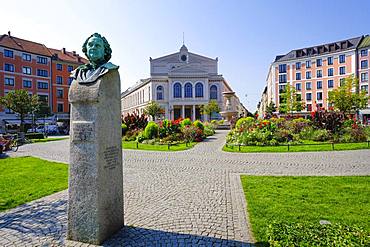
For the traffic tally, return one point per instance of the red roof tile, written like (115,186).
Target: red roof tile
(69,57)
(24,45)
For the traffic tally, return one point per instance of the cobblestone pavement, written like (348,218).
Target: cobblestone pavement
(186,198)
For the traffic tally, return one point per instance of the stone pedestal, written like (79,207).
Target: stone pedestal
(95,206)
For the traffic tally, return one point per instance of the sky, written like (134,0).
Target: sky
(245,35)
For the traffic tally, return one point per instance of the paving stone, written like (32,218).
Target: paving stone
(170,198)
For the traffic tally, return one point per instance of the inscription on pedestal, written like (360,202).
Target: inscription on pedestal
(111,155)
(82,131)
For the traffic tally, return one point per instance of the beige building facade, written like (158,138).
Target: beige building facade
(181,83)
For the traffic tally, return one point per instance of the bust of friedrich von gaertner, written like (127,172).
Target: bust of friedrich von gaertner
(98,52)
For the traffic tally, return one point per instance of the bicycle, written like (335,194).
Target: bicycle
(14,144)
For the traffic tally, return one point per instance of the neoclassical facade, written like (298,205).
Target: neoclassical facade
(181,83)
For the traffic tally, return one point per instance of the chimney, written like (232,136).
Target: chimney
(74,53)
(64,50)
(9,34)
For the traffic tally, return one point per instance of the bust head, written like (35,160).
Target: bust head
(97,50)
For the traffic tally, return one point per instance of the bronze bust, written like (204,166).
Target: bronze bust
(98,51)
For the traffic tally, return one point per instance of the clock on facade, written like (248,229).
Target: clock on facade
(183,58)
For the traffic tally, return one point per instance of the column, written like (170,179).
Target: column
(183,111)
(193,114)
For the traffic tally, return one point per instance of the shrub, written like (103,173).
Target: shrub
(131,135)
(308,234)
(208,130)
(151,130)
(320,135)
(124,129)
(35,136)
(331,121)
(135,121)
(245,123)
(185,122)
(141,136)
(198,124)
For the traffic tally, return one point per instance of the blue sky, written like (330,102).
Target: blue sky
(245,35)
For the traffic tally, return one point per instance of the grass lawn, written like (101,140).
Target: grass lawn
(27,178)
(344,200)
(178,147)
(299,148)
(49,139)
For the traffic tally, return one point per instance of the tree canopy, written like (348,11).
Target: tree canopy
(348,98)
(290,101)
(153,109)
(211,107)
(19,101)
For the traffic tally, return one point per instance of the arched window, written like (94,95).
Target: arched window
(159,93)
(188,90)
(199,90)
(177,90)
(213,92)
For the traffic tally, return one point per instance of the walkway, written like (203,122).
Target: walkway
(186,198)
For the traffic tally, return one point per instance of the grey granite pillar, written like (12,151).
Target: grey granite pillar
(95,206)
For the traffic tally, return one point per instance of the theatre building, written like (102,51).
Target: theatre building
(181,83)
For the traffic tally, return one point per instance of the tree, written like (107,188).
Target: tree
(153,109)
(211,107)
(290,101)
(271,108)
(19,101)
(348,97)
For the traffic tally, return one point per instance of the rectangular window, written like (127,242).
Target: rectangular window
(59,66)
(298,76)
(308,96)
(60,93)
(330,60)
(308,86)
(42,60)
(27,83)
(59,80)
(319,73)
(282,78)
(342,70)
(364,53)
(330,83)
(309,107)
(9,81)
(330,72)
(365,88)
(42,72)
(318,84)
(341,81)
(8,53)
(26,70)
(342,58)
(9,67)
(60,107)
(42,85)
(364,77)
(70,68)
(308,74)
(318,62)
(308,64)
(298,65)
(70,79)
(281,88)
(319,96)
(26,57)
(364,64)
(298,87)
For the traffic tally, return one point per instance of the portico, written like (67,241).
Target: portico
(192,112)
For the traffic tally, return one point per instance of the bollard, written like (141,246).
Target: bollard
(288,147)
(137,145)
(168,146)
(239,147)
(332,145)
(368,143)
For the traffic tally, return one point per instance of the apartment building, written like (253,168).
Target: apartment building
(315,71)
(38,69)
